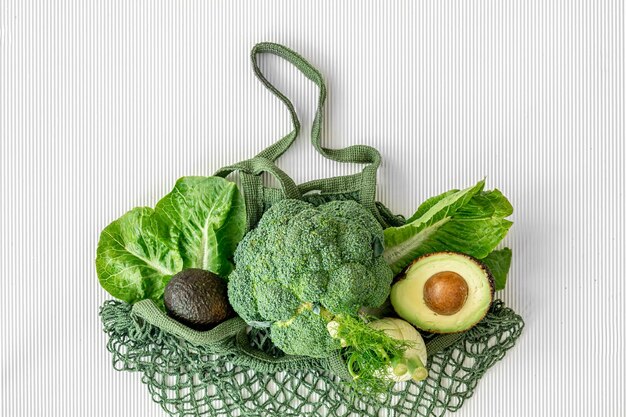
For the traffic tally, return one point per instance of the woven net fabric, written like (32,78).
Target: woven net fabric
(190,380)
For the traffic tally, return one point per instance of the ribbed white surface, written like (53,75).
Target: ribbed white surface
(103,105)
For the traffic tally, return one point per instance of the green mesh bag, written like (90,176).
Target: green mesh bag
(233,370)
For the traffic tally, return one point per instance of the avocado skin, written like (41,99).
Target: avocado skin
(197,298)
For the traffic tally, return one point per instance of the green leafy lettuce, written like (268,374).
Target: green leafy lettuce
(499,262)
(471,221)
(197,225)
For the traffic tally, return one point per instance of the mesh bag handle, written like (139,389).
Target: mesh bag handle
(256,195)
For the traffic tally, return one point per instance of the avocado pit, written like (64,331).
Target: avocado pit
(445,292)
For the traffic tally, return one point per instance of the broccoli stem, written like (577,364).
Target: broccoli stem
(328,316)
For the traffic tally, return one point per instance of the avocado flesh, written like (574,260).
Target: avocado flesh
(407,295)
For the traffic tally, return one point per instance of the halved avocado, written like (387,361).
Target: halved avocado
(443,292)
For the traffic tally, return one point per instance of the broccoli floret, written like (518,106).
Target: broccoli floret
(241,294)
(305,333)
(302,265)
(274,302)
(345,294)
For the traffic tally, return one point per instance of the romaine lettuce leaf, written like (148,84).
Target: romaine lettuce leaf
(426,205)
(470,221)
(499,262)
(137,255)
(210,214)
(197,225)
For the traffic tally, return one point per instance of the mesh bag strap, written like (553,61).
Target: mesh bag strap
(220,335)
(250,170)
(252,185)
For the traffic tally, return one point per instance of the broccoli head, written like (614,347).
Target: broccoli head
(302,266)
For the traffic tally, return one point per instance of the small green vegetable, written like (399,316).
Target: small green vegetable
(197,225)
(373,353)
(412,364)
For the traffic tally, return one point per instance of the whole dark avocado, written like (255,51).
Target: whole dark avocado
(197,298)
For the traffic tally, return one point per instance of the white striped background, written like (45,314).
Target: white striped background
(104,104)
